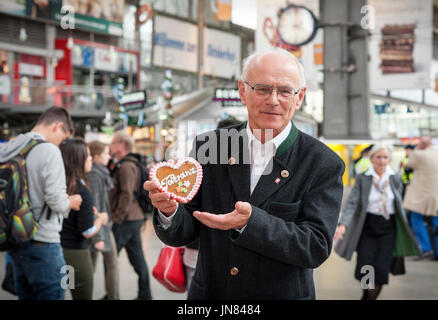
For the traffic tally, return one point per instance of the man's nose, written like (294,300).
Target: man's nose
(273,97)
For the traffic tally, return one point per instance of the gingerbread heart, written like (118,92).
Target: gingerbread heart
(182,178)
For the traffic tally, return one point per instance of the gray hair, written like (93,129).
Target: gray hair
(381,146)
(125,138)
(257,55)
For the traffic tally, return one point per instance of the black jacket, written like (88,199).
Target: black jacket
(290,230)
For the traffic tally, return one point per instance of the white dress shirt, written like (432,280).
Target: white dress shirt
(374,196)
(260,156)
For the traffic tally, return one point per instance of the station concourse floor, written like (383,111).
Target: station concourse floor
(334,279)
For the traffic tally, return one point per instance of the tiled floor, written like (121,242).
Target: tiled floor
(333,279)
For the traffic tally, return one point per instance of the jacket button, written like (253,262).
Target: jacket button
(234,271)
(231,161)
(285,173)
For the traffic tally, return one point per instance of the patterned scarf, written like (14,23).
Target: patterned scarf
(383,197)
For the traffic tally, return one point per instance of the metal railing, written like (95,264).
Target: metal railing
(75,97)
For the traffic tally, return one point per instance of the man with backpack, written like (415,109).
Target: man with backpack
(126,207)
(37,264)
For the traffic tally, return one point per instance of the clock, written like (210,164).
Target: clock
(297,25)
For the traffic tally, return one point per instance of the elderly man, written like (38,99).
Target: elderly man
(421,197)
(266,223)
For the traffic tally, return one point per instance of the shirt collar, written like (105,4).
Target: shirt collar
(277,141)
(371,172)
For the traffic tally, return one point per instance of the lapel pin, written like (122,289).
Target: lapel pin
(277,180)
(285,173)
(231,161)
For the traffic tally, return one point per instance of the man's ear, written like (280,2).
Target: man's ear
(58,125)
(301,95)
(241,86)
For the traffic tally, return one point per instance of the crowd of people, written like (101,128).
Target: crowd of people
(259,224)
(83,208)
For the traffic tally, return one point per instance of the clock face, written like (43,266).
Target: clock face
(296,25)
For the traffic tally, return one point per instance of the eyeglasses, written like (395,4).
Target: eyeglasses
(264,90)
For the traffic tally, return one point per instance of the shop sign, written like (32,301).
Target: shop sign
(30,69)
(231,103)
(105,59)
(175,44)
(82,56)
(226,94)
(114,61)
(221,53)
(105,16)
(134,100)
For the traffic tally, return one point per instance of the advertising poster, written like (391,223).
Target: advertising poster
(175,44)
(400,45)
(221,54)
(273,26)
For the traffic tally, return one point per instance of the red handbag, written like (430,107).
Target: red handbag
(169,269)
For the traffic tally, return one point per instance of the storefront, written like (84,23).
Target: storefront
(22,79)
(95,72)
(29,80)
(144,138)
(5,77)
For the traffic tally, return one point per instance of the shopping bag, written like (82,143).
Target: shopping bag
(169,269)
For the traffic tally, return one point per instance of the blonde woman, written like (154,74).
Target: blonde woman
(374,224)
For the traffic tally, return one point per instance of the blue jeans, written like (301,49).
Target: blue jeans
(420,231)
(37,271)
(128,235)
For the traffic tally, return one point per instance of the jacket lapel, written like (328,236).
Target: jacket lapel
(269,183)
(366,191)
(239,169)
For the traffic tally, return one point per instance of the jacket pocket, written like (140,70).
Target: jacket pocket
(196,291)
(285,210)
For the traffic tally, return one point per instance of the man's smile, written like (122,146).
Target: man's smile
(270,113)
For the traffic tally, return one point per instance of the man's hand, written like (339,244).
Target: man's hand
(75,201)
(104,217)
(99,245)
(160,200)
(339,235)
(236,219)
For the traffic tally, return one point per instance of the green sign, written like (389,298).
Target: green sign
(94,24)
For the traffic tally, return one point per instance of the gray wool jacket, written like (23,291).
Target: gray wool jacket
(46,182)
(355,212)
(100,183)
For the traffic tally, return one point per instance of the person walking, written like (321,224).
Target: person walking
(37,265)
(406,172)
(81,224)
(421,197)
(127,215)
(374,224)
(100,185)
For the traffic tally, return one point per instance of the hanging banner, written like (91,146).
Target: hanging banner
(175,44)
(104,16)
(222,9)
(293,29)
(221,54)
(401,44)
